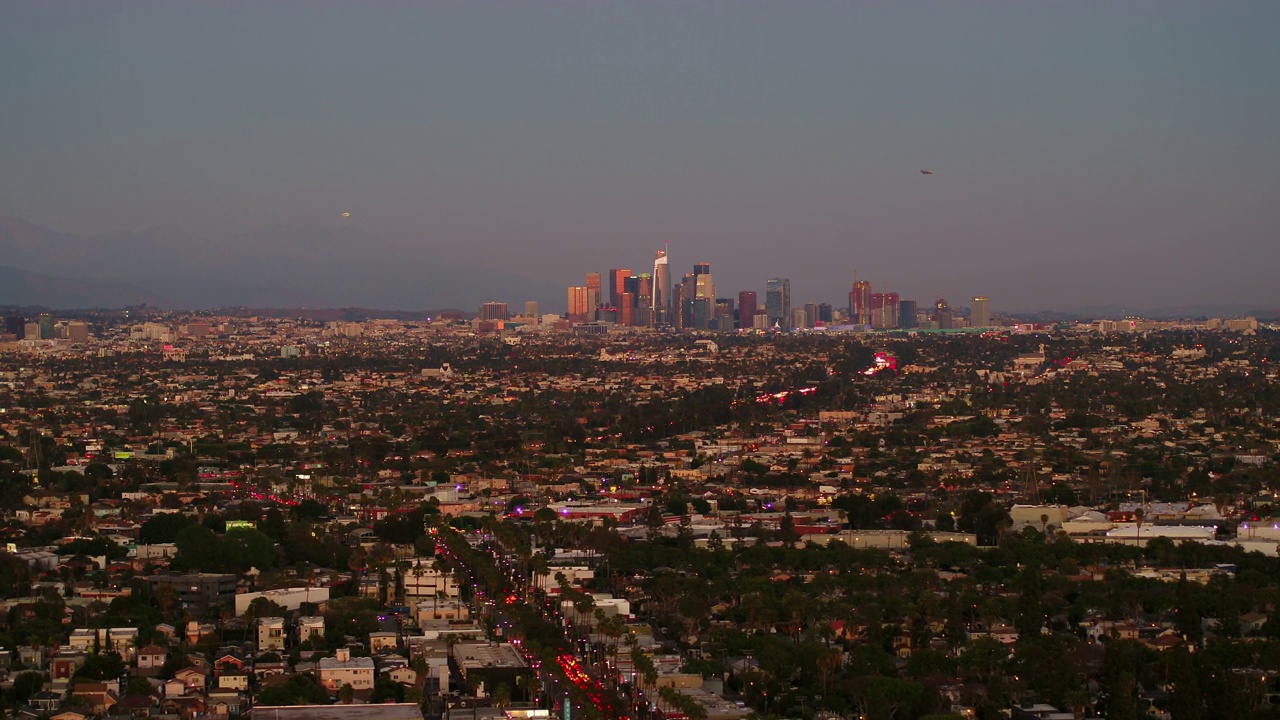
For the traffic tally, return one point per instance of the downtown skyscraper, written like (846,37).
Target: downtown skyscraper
(661,289)
(777,303)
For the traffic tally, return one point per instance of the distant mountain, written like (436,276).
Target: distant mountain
(280,266)
(1095,312)
(20,287)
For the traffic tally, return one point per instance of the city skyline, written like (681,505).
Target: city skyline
(1081,154)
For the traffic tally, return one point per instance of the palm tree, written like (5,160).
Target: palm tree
(1138,515)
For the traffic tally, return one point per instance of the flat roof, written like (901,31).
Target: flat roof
(372,711)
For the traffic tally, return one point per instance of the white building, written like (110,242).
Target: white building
(346,670)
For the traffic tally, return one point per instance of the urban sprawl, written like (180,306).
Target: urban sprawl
(661,504)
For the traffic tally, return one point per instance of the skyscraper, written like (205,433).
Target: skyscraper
(593,284)
(531,308)
(617,285)
(15,325)
(980,312)
(907,313)
(493,311)
(777,302)
(580,304)
(884,310)
(661,289)
(45,322)
(860,303)
(747,308)
(942,315)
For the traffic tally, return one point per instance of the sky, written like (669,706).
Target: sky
(1106,153)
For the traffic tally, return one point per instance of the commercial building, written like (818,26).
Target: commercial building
(980,312)
(198,591)
(777,302)
(493,311)
(747,308)
(860,303)
(661,289)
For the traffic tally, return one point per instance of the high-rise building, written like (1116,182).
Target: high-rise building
(825,313)
(661,290)
(777,302)
(860,303)
(907,313)
(683,296)
(980,312)
(942,315)
(884,310)
(810,315)
(618,285)
(531,308)
(78,331)
(747,309)
(15,325)
(700,313)
(593,284)
(704,286)
(640,287)
(627,309)
(45,321)
(580,304)
(724,309)
(493,311)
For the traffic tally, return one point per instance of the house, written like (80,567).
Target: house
(186,707)
(310,627)
(346,670)
(224,703)
(192,679)
(234,680)
(270,634)
(383,642)
(151,660)
(98,698)
(70,714)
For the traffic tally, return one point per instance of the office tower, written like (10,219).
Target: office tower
(641,289)
(78,331)
(860,303)
(700,313)
(684,296)
(825,313)
(980,312)
(627,309)
(593,284)
(45,323)
(493,311)
(942,315)
(798,319)
(705,287)
(747,308)
(884,310)
(907,313)
(617,285)
(810,315)
(579,303)
(15,325)
(724,309)
(661,289)
(531,308)
(777,302)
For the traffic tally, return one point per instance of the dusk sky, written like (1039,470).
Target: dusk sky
(1084,153)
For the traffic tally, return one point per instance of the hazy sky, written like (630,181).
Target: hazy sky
(1084,153)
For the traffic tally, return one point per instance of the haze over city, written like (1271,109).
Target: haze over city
(1082,155)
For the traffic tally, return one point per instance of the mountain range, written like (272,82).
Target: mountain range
(279,266)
